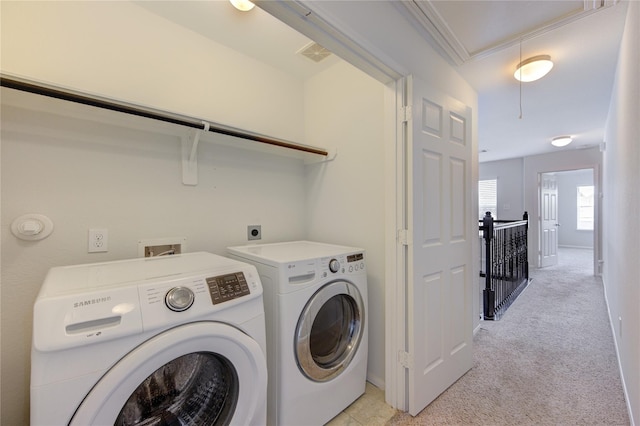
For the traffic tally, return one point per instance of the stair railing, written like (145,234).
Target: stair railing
(506,265)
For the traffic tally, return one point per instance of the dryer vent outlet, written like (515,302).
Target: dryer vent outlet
(162,250)
(161,247)
(254,232)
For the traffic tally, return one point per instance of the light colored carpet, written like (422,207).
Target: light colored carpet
(550,360)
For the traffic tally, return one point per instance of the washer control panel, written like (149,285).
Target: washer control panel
(164,302)
(179,299)
(82,304)
(227,287)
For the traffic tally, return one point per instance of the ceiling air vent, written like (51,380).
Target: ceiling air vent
(314,51)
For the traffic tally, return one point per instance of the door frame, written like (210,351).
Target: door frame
(396,272)
(566,160)
(597,213)
(300,16)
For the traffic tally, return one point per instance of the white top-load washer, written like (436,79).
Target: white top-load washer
(315,299)
(164,340)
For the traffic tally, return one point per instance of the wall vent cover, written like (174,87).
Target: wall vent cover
(314,51)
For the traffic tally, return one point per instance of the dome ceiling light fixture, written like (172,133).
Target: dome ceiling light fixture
(533,68)
(560,141)
(242,5)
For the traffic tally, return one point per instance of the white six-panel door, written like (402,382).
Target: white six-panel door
(440,219)
(548,220)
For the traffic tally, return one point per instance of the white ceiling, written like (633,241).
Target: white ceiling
(482,40)
(573,99)
(255,33)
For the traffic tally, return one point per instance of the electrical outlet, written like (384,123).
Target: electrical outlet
(98,240)
(254,232)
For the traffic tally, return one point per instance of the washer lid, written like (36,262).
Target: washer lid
(64,280)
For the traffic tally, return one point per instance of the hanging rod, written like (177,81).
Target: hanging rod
(96,101)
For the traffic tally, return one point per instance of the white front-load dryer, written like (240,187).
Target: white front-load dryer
(315,299)
(170,340)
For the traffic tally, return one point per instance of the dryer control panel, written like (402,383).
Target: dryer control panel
(342,264)
(355,262)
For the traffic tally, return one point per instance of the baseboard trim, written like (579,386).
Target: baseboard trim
(376,381)
(475,330)
(615,344)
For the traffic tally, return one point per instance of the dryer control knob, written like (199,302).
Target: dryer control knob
(179,299)
(334,265)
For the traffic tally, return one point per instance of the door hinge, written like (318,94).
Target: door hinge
(405,359)
(404,237)
(405,113)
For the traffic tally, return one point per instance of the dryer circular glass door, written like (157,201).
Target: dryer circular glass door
(329,331)
(204,373)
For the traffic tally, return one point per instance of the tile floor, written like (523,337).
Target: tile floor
(370,409)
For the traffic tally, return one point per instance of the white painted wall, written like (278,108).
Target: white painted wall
(621,207)
(568,234)
(345,197)
(96,171)
(120,50)
(510,186)
(84,174)
(238,92)
(121,176)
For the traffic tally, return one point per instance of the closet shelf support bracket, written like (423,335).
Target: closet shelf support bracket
(190,155)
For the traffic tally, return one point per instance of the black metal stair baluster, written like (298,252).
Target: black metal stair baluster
(488,293)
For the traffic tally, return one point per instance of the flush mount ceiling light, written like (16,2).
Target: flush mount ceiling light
(533,68)
(242,5)
(561,141)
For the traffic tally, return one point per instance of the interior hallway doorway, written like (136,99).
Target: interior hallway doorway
(568,213)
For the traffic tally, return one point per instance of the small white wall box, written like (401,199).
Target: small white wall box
(32,227)
(161,246)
